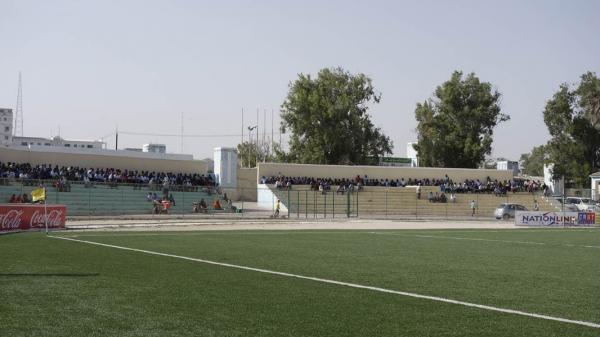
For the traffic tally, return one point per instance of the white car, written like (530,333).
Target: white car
(582,204)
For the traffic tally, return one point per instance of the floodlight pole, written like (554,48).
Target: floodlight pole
(563,200)
(45,211)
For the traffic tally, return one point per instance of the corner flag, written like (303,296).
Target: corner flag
(38,194)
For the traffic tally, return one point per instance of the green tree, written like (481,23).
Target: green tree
(533,162)
(329,121)
(456,126)
(572,116)
(249,153)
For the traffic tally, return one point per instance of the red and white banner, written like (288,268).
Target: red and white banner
(15,217)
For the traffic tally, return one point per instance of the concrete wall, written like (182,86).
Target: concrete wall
(102,159)
(377,172)
(246,182)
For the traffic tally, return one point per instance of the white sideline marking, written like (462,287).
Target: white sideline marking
(346,284)
(186,233)
(480,239)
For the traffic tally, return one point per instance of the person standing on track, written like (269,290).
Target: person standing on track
(277,207)
(473,206)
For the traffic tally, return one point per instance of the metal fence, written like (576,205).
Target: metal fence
(110,199)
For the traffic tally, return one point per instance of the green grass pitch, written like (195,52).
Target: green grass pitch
(53,287)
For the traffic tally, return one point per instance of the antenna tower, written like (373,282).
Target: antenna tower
(18,129)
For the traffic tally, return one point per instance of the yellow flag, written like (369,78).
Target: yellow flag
(38,194)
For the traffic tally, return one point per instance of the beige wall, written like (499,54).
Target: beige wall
(377,172)
(102,161)
(246,182)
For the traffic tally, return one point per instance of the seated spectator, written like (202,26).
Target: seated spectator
(230,206)
(13,199)
(171,199)
(200,206)
(26,199)
(217,204)
(430,196)
(165,205)
(341,189)
(149,196)
(453,197)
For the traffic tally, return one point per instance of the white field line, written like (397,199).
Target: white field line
(351,285)
(299,232)
(186,233)
(487,240)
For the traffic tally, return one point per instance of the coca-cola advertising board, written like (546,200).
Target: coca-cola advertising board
(14,217)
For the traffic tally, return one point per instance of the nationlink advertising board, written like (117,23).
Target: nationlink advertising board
(583,219)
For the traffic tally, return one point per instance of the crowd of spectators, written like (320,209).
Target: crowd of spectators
(63,176)
(446,185)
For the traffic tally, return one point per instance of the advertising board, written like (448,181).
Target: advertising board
(545,219)
(14,217)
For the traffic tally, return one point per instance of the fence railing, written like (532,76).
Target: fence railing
(298,202)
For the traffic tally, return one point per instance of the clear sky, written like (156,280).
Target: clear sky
(89,66)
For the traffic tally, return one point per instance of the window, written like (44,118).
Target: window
(40,144)
(67,145)
(6,128)
(74,145)
(47,144)
(5,137)
(90,147)
(24,143)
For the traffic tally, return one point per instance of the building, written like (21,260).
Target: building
(6,126)
(508,165)
(395,161)
(57,141)
(412,154)
(154,148)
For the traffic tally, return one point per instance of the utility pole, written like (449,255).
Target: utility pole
(182,132)
(18,129)
(257,133)
(272,134)
(242,142)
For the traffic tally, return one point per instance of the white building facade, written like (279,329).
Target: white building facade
(412,154)
(6,126)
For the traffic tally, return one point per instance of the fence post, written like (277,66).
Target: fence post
(306,204)
(89,202)
(386,202)
(348,204)
(298,206)
(357,204)
(315,205)
(446,208)
(333,208)
(325,207)
(477,206)
(289,203)
(416,207)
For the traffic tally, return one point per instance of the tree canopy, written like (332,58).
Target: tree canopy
(572,116)
(329,121)
(533,162)
(456,126)
(250,152)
